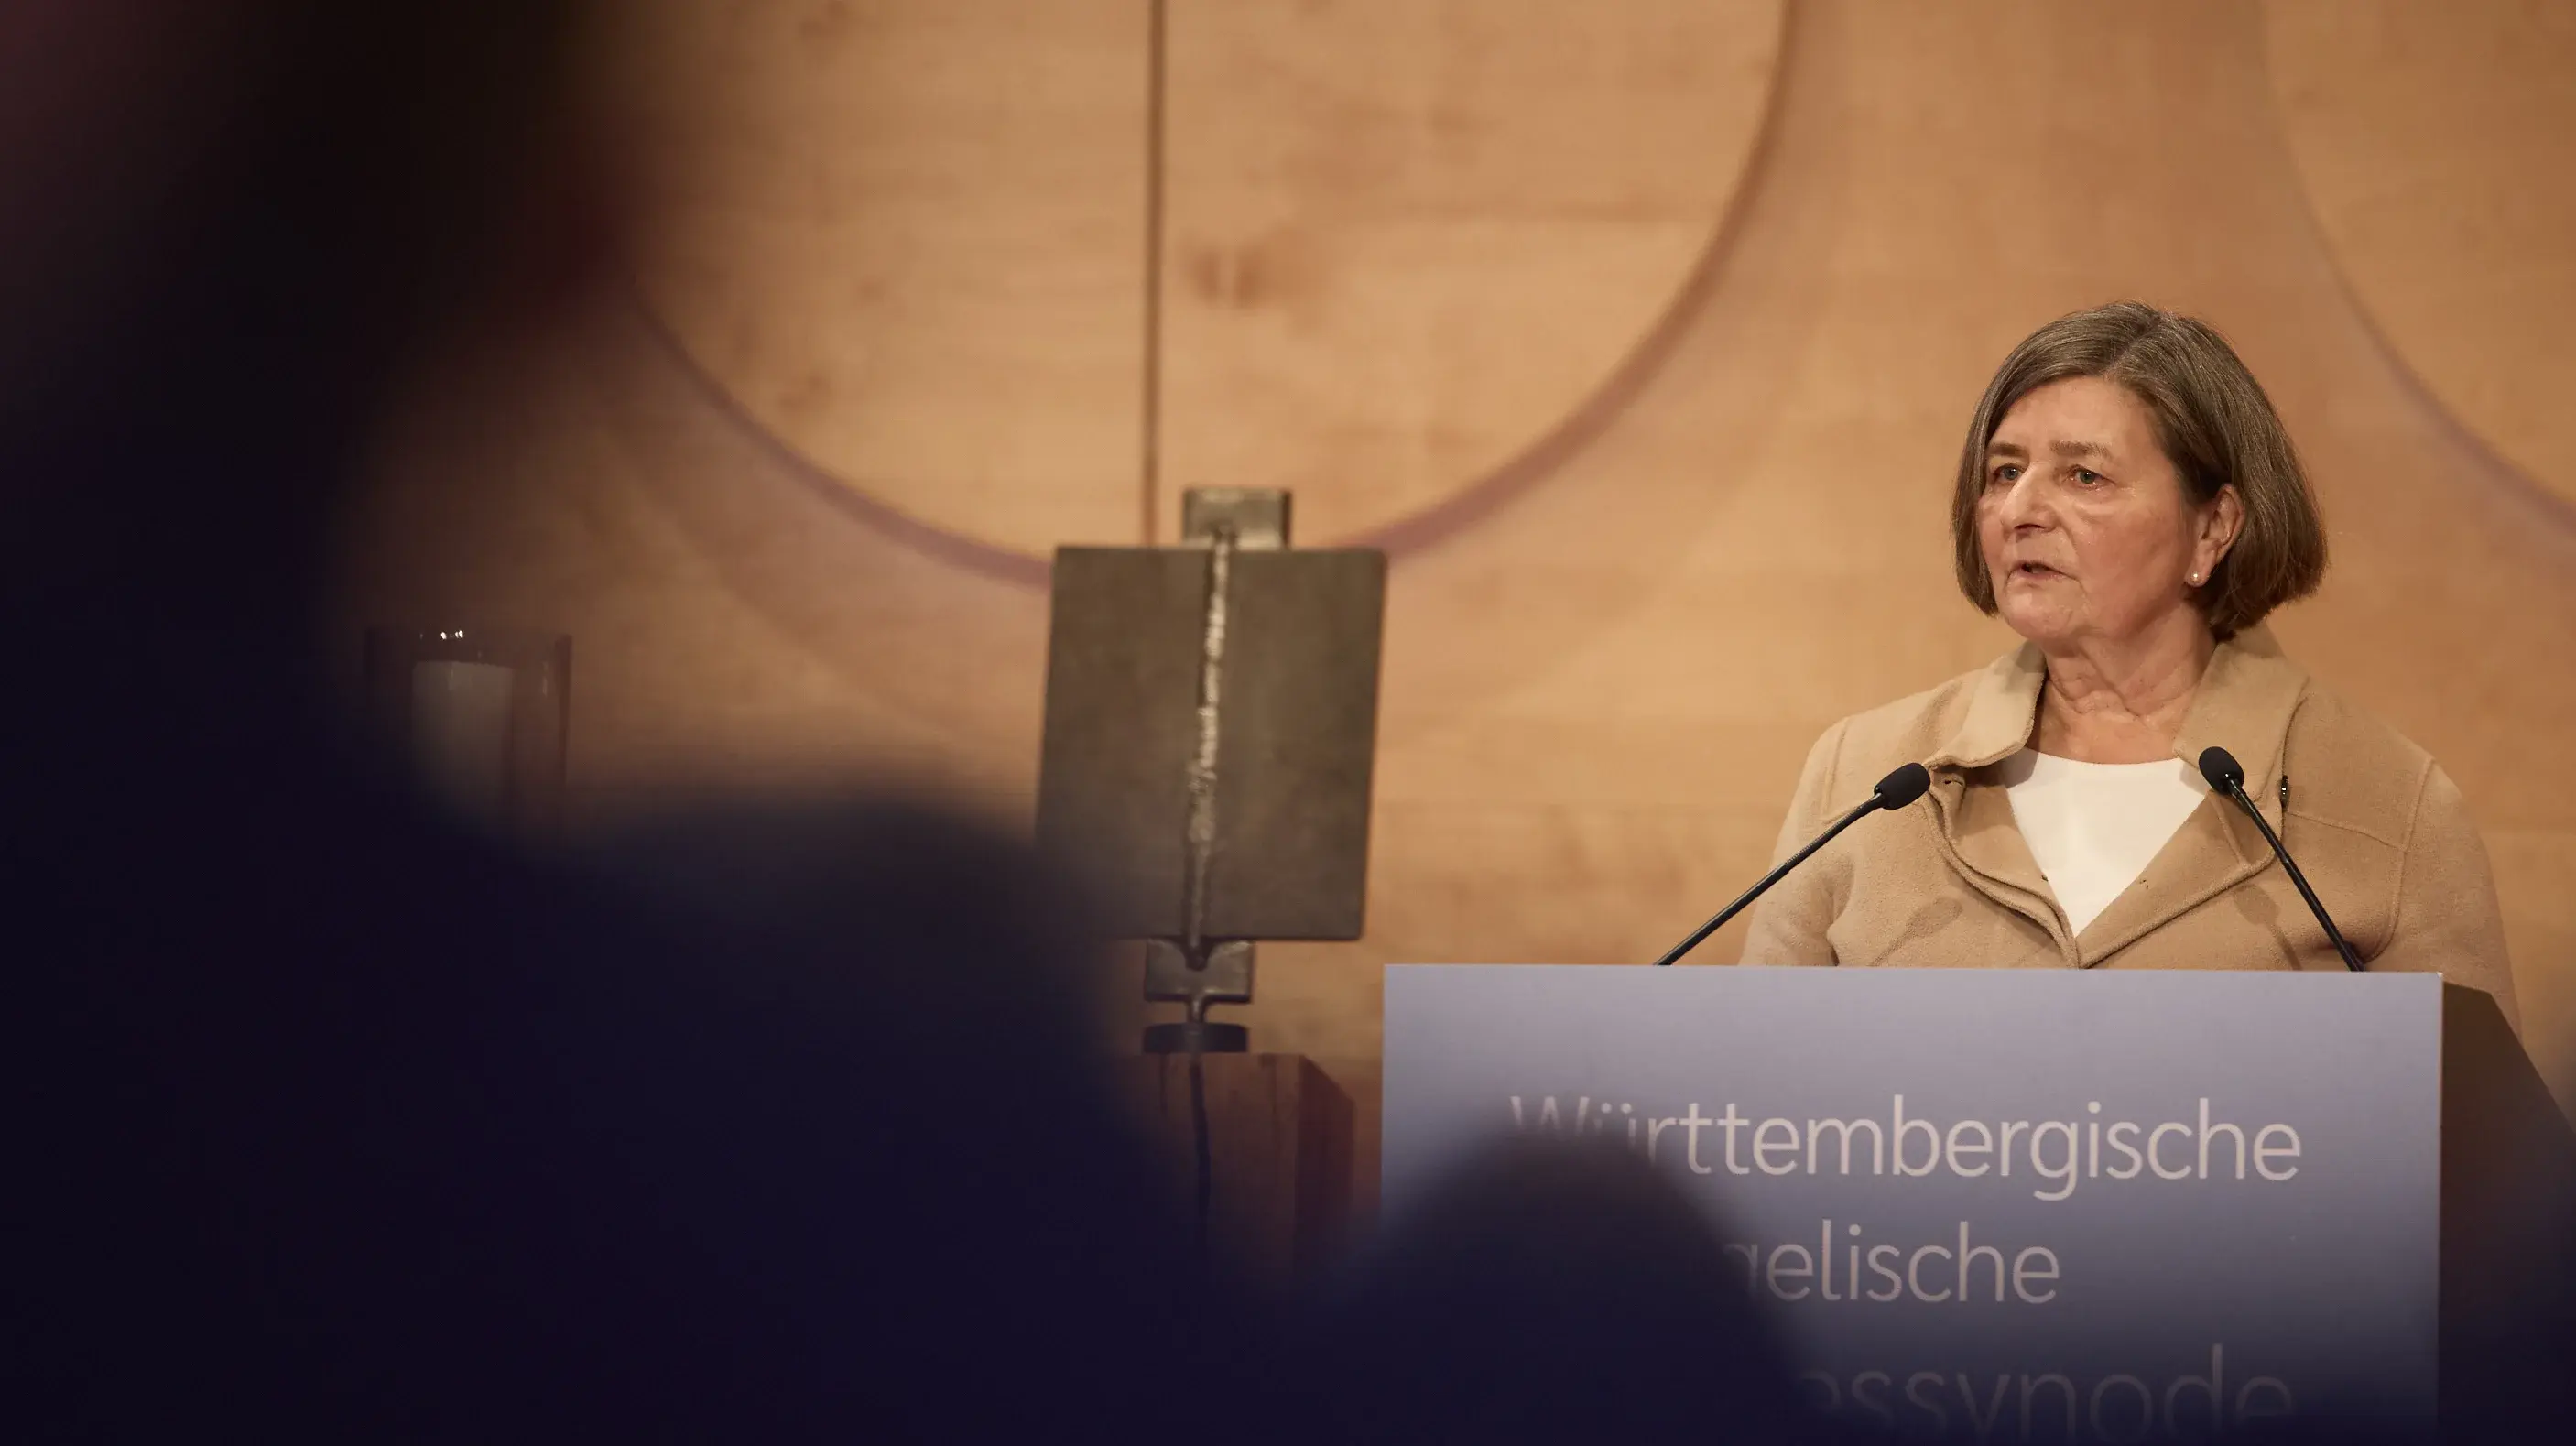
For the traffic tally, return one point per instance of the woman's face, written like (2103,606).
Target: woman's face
(2086,530)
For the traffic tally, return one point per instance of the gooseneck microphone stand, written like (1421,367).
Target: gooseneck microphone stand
(2226,776)
(1894,791)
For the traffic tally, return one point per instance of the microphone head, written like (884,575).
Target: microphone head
(1903,786)
(2223,772)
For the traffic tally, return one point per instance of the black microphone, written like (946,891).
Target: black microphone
(1896,790)
(2227,776)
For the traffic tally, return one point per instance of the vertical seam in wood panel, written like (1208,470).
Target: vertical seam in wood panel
(1150,458)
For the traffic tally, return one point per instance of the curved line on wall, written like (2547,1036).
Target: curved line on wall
(1578,428)
(1421,530)
(1001,564)
(2554,506)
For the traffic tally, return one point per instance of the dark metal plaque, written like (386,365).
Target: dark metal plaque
(1296,736)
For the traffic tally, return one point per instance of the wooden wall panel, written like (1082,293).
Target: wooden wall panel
(1601,678)
(1407,238)
(1599,696)
(2434,140)
(907,236)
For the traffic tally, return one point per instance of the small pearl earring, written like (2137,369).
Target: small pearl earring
(2195,579)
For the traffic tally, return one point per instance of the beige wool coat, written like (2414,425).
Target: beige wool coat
(2379,829)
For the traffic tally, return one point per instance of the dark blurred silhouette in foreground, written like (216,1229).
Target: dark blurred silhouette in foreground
(1550,1291)
(329,1117)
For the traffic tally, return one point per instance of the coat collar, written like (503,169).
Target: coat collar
(2244,704)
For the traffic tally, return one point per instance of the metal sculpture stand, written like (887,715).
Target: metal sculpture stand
(1210,731)
(1211,722)
(1220,974)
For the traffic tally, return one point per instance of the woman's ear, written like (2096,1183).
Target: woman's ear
(2220,523)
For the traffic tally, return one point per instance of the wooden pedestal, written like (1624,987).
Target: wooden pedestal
(1279,1145)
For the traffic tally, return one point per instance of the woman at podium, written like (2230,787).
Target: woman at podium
(2128,502)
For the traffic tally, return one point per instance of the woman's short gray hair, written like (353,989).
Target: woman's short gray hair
(2216,426)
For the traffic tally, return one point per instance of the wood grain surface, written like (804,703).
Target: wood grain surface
(1603,670)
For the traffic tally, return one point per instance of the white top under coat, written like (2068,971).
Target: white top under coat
(2093,827)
